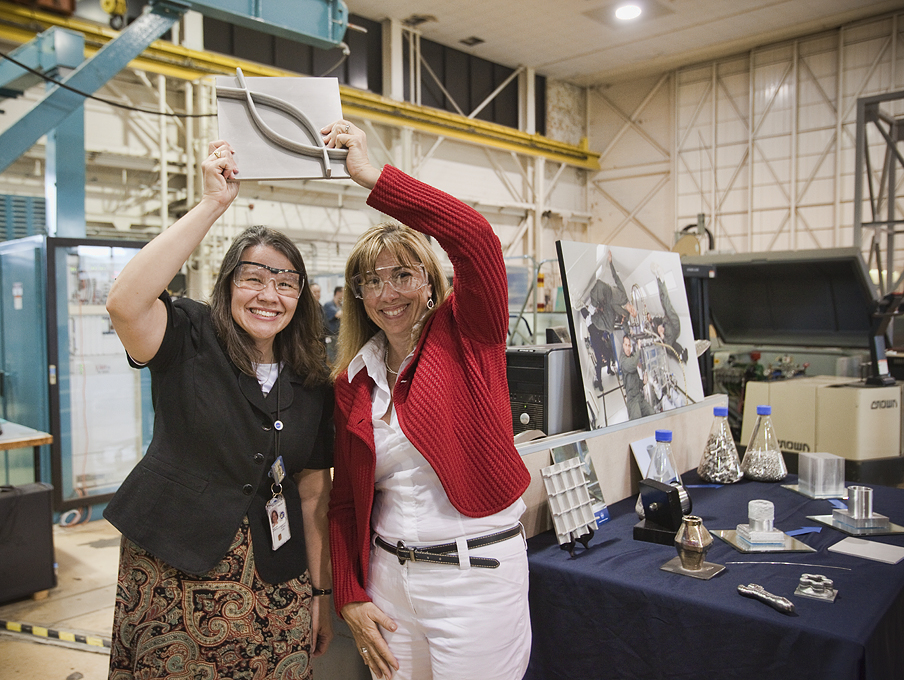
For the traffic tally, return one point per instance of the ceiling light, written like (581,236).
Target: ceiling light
(416,20)
(627,12)
(472,41)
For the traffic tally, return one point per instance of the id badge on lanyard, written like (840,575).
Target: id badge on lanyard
(276,506)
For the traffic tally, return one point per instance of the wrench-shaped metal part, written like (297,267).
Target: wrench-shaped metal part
(757,592)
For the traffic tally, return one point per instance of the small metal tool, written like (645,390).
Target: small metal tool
(782,604)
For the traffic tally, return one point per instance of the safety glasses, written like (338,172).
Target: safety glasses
(256,276)
(402,279)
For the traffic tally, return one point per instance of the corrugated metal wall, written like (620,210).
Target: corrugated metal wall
(762,143)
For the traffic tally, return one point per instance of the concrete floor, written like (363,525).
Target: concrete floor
(82,603)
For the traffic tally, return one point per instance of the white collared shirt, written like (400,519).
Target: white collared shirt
(410,503)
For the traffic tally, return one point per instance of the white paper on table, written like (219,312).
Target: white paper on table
(643,453)
(870,550)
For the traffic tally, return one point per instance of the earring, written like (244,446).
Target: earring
(430,303)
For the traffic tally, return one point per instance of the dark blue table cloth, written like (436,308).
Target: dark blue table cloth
(611,612)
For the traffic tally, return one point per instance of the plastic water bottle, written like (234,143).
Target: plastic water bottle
(720,463)
(763,460)
(663,469)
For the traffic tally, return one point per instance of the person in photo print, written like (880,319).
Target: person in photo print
(634,379)
(609,307)
(667,326)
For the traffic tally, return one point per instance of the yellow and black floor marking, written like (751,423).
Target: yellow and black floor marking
(94,642)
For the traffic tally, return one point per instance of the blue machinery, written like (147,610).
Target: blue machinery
(58,360)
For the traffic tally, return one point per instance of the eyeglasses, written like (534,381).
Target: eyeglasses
(402,280)
(257,276)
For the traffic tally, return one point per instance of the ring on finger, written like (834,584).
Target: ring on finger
(216,152)
(364,650)
(347,128)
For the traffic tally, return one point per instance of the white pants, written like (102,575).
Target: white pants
(454,623)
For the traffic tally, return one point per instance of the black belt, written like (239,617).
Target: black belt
(439,554)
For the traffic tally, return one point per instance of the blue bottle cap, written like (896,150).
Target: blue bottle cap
(663,435)
(721,411)
(763,410)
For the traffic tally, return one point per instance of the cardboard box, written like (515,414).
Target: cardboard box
(859,422)
(794,407)
(827,413)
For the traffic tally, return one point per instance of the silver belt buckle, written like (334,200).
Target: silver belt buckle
(401,549)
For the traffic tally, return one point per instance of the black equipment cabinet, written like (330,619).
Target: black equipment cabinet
(26,541)
(544,388)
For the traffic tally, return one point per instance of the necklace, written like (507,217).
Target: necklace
(386,361)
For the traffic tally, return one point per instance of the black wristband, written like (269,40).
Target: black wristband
(318,591)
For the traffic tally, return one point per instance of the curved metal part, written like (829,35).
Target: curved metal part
(816,587)
(312,150)
(817,582)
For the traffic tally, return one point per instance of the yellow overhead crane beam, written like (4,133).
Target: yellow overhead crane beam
(20,24)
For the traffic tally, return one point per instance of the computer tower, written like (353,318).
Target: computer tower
(544,389)
(26,540)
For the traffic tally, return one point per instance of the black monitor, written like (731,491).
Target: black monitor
(805,298)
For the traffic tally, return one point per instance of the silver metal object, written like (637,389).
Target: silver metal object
(692,541)
(757,592)
(706,571)
(797,489)
(761,515)
(820,474)
(882,530)
(859,514)
(817,587)
(795,564)
(314,149)
(860,505)
(790,543)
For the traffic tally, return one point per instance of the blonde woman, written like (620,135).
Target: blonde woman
(429,558)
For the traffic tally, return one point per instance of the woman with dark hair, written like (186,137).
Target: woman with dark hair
(429,557)
(209,586)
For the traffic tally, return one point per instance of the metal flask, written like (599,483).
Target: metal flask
(692,543)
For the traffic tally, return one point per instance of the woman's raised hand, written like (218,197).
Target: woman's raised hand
(219,170)
(344,135)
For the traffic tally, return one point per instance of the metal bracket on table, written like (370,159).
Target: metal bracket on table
(817,587)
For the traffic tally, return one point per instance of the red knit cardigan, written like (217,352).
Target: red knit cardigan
(451,400)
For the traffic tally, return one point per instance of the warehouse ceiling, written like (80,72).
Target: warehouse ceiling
(581,41)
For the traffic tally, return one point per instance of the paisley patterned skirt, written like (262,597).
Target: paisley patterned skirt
(225,624)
